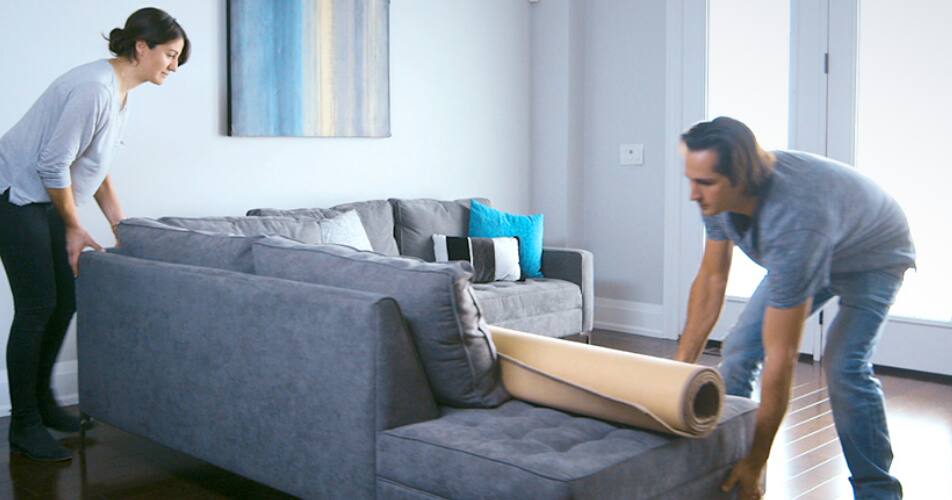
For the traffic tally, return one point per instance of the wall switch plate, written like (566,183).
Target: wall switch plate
(631,154)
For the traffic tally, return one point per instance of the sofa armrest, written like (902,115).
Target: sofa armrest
(284,382)
(577,266)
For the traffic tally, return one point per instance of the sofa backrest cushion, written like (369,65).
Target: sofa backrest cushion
(303,229)
(416,221)
(436,299)
(150,239)
(376,216)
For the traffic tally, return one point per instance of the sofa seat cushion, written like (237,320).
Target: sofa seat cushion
(520,450)
(503,301)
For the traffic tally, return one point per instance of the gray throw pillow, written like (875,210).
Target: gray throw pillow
(303,229)
(436,299)
(416,221)
(375,215)
(150,239)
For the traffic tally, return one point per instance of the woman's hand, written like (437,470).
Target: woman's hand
(115,233)
(78,239)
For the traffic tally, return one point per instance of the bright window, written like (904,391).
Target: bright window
(904,126)
(748,79)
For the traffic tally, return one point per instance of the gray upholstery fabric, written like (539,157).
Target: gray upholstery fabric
(389,490)
(558,324)
(284,382)
(149,239)
(315,213)
(416,221)
(376,216)
(577,266)
(303,229)
(522,451)
(436,300)
(505,300)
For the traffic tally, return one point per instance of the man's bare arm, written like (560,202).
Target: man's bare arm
(706,299)
(782,331)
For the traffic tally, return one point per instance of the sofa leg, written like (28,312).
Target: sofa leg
(583,337)
(85,422)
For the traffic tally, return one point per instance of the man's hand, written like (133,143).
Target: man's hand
(78,239)
(745,476)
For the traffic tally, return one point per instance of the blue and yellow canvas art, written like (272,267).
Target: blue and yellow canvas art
(309,68)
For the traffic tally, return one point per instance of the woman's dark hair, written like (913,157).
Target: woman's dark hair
(154,27)
(739,157)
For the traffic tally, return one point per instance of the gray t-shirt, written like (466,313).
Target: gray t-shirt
(817,217)
(67,138)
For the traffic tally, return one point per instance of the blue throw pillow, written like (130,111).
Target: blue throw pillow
(486,222)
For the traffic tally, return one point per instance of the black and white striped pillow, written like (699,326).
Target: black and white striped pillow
(493,259)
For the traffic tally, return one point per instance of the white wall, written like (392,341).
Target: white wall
(459,116)
(599,82)
(557,68)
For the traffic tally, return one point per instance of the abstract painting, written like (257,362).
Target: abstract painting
(309,68)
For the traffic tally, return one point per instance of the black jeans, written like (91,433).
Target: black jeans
(33,252)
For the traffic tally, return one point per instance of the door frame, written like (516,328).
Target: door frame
(687,47)
(824,56)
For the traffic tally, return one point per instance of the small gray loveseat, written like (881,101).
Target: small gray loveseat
(559,305)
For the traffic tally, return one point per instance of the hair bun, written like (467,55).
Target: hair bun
(117,41)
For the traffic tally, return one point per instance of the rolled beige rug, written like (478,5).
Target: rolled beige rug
(637,390)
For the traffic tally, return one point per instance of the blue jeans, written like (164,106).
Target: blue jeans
(855,395)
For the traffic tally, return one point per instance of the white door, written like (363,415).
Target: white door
(868,85)
(765,68)
(890,115)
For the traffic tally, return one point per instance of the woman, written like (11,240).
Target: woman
(58,154)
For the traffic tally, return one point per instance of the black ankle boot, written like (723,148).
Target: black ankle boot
(35,442)
(56,418)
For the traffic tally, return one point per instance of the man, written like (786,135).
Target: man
(820,229)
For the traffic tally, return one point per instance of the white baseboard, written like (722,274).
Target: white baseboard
(65,386)
(625,316)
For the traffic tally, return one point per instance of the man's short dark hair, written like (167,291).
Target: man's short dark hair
(739,157)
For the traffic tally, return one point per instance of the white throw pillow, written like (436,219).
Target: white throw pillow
(345,229)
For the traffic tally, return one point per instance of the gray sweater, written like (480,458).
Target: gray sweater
(67,138)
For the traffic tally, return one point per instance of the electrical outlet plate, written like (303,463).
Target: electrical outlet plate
(631,154)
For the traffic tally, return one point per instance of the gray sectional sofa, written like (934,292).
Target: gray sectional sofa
(260,355)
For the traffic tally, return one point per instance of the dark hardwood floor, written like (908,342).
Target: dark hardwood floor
(115,464)
(806,462)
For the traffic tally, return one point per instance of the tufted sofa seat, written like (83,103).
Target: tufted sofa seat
(522,451)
